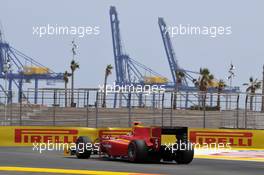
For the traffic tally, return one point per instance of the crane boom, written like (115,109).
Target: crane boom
(117,49)
(173,63)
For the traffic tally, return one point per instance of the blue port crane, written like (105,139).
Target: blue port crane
(173,62)
(129,71)
(14,70)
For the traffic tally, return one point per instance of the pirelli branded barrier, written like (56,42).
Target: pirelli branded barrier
(27,135)
(233,137)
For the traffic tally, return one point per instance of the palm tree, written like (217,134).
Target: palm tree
(74,66)
(252,87)
(66,80)
(108,71)
(206,79)
(220,86)
(204,82)
(179,78)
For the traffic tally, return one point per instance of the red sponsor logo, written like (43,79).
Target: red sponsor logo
(232,138)
(45,135)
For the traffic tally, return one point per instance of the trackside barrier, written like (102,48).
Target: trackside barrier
(246,139)
(27,135)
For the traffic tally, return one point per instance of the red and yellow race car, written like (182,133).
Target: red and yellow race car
(142,144)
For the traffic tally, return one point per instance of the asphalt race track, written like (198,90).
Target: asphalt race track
(30,162)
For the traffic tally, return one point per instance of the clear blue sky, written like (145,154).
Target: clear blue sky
(140,33)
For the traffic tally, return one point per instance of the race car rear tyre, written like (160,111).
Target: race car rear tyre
(185,156)
(81,150)
(137,151)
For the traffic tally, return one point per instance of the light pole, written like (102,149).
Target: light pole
(74,65)
(66,80)
(230,78)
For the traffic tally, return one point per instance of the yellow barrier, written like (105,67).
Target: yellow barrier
(236,138)
(27,135)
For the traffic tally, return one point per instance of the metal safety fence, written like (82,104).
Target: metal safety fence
(90,109)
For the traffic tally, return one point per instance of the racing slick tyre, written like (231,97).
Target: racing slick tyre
(81,150)
(137,151)
(166,153)
(185,156)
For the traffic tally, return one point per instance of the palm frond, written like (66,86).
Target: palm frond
(258,85)
(249,89)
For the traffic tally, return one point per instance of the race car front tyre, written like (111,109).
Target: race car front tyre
(81,147)
(137,151)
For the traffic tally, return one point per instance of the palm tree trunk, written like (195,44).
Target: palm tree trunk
(175,97)
(72,90)
(204,99)
(104,98)
(200,99)
(175,100)
(251,102)
(66,94)
(218,100)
